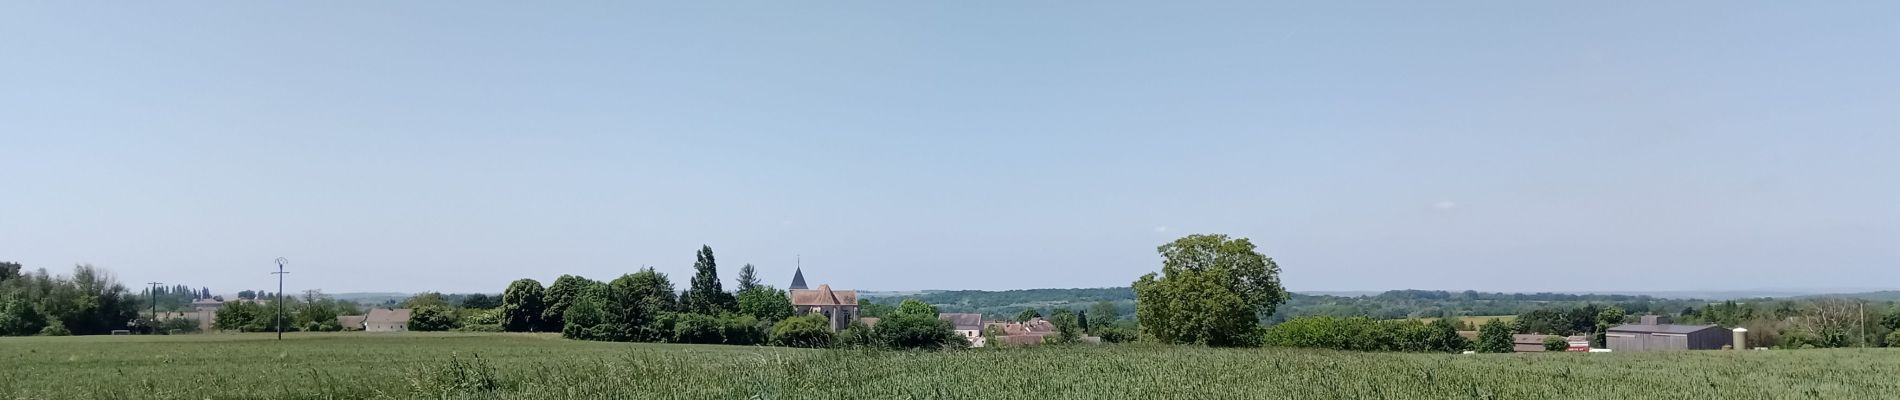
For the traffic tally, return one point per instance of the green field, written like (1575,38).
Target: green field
(358,365)
(1478,320)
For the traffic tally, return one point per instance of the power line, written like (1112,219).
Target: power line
(280,295)
(154,292)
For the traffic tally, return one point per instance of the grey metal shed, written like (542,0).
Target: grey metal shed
(1666,337)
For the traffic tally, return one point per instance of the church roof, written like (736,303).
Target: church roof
(824,296)
(798,279)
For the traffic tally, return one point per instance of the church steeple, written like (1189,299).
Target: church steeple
(798,278)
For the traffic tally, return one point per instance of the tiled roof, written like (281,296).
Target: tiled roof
(963,321)
(824,296)
(384,315)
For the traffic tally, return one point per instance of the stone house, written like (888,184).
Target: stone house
(969,325)
(387,320)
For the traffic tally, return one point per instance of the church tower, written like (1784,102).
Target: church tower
(798,278)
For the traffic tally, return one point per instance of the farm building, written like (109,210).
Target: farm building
(351,322)
(1657,334)
(387,320)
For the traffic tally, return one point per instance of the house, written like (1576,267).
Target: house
(351,322)
(967,324)
(839,307)
(203,311)
(1029,333)
(206,312)
(1657,334)
(387,320)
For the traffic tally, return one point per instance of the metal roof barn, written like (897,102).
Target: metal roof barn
(1666,337)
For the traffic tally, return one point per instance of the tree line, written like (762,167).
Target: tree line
(89,301)
(314,312)
(644,306)
(1215,290)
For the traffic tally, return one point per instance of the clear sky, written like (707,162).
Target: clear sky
(455,146)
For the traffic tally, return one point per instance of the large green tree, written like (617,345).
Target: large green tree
(1212,290)
(433,318)
(917,331)
(696,328)
(1495,337)
(318,314)
(748,278)
(805,331)
(1892,319)
(522,306)
(868,308)
(17,316)
(425,299)
(1444,337)
(1068,327)
(640,302)
(916,307)
(1104,312)
(588,317)
(559,296)
(765,303)
(704,294)
(480,300)
(9,271)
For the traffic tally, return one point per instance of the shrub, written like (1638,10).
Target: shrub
(741,329)
(584,318)
(55,328)
(1556,343)
(1115,334)
(433,318)
(913,331)
(807,331)
(1354,334)
(479,316)
(1445,338)
(857,335)
(1893,339)
(696,328)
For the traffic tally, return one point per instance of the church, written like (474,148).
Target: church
(837,306)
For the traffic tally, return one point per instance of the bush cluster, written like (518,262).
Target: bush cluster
(1365,334)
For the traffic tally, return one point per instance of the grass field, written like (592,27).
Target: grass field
(518,366)
(1478,320)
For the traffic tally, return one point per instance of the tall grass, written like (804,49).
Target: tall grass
(517,366)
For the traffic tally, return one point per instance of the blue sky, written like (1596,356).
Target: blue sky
(454,146)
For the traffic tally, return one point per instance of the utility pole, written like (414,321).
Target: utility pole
(280,295)
(154,293)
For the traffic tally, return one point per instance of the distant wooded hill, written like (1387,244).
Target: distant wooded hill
(1393,304)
